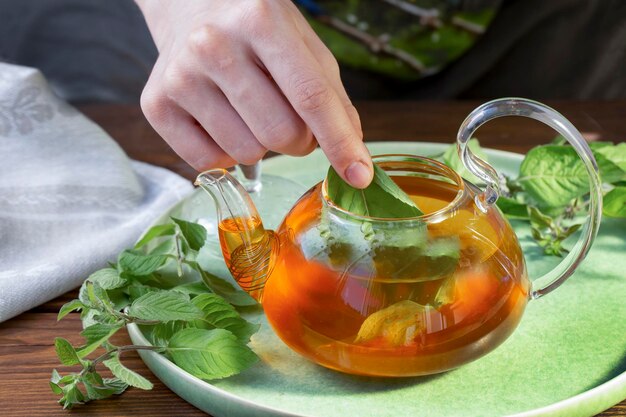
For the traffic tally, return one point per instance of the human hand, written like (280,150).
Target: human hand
(236,78)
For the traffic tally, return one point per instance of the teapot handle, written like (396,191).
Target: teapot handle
(534,110)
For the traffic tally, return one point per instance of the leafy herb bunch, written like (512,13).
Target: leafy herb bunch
(551,190)
(195,324)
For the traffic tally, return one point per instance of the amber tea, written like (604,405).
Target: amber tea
(417,298)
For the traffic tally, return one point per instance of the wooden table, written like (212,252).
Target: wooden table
(26,342)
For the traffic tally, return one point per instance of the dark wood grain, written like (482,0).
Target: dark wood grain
(26,341)
(391,121)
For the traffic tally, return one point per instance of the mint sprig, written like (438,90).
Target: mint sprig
(195,324)
(551,191)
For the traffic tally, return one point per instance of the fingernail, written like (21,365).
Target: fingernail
(359,175)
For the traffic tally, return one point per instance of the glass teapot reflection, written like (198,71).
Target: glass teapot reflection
(397,297)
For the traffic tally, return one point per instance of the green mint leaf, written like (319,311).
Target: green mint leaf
(136,291)
(384,181)
(68,379)
(93,378)
(513,186)
(539,220)
(92,296)
(119,298)
(107,278)
(97,388)
(451,159)
(615,202)
(54,382)
(69,307)
(596,145)
(614,153)
(164,306)
(92,316)
(55,376)
(568,231)
(95,392)
(95,335)
(126,375)
(610,172)
(553,247)
(193,288)
(89,317)
(55,388)
(382,198)
(512,208)
(219,314)
(223,288)
(161,333)
(66,352)
(72,396)
(97,296)
(549,233)
(194,234)
(139,264)
(167,247)
(156,231)
(553,175)
(611,160)
(210,354)
(117,385)
(99,331)
(83,296)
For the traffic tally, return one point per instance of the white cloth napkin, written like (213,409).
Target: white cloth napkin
(70,199)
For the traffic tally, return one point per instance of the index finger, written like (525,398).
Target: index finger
(301,79)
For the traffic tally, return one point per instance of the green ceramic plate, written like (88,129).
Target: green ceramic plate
(567,358)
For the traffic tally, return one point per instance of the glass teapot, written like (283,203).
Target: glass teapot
(397,297)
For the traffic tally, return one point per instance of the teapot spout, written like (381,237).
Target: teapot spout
(249,249)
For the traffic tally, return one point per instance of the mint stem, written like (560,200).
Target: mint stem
(131,319)
(180,258)
(119,350)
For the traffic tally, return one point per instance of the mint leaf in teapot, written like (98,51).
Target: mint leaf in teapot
(397,325)
(382,198)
